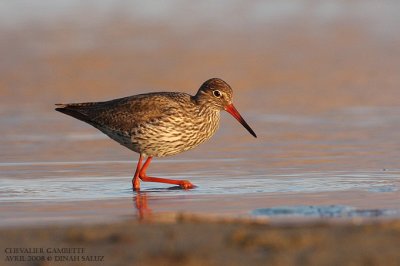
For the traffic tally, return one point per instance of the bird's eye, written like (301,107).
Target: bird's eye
(217,93)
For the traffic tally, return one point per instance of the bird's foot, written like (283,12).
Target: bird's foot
(136,184)
(186,184)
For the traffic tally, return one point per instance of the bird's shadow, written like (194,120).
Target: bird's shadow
(160,189)
(173,188)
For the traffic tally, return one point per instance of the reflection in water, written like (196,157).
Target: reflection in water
(140,201)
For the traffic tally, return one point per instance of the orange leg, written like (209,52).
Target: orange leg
(142,175)
(135,179)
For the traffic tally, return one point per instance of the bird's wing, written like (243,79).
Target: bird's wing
(124,114)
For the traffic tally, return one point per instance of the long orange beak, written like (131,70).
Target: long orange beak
(232,110)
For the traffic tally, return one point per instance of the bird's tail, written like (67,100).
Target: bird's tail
(76,110)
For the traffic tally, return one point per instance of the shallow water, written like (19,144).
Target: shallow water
(238,178)
(47,182)
(324,105)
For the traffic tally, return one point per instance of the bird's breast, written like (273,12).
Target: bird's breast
(175,133)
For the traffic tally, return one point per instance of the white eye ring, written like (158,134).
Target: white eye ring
(217,93)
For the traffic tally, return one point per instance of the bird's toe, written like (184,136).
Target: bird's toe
(186,185)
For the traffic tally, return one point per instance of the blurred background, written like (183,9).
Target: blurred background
(318,81)
(289,56)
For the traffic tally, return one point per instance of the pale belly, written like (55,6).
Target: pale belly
(169,141)
(166,139)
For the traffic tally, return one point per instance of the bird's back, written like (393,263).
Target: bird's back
(126,113)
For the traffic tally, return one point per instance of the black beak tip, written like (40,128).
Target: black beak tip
(249,129)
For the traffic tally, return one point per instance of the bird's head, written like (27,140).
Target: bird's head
(216,94)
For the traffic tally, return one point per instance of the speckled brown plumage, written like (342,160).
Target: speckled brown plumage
(161,123)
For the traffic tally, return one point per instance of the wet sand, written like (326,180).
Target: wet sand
(318,83)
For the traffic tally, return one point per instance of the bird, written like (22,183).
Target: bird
(160,124)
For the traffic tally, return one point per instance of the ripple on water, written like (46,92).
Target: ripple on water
(324,211)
